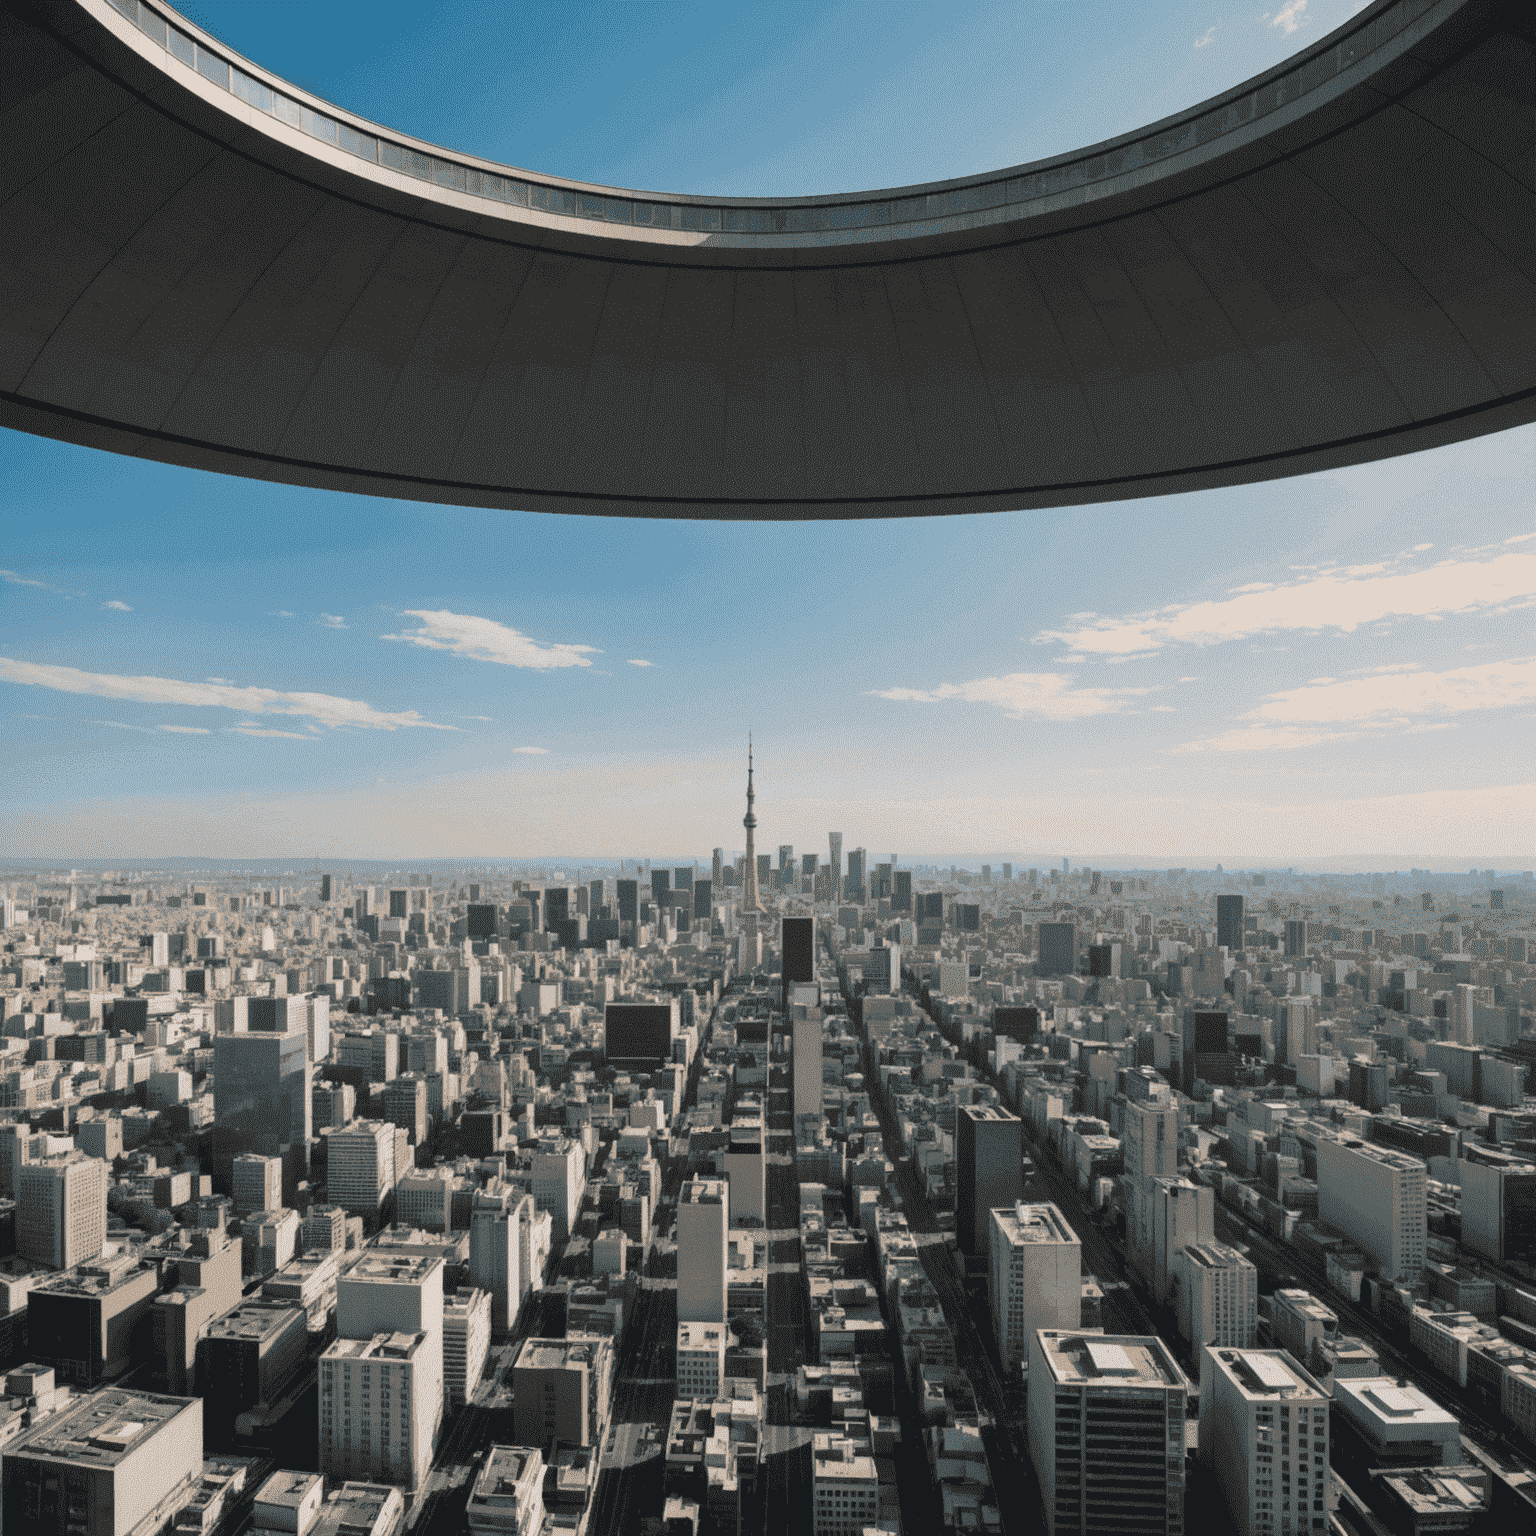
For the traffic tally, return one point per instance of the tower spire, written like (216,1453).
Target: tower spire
(750,901)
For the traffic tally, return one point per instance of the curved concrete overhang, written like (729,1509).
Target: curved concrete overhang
(204,265)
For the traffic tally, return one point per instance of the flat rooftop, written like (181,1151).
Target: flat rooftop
(505,1467)
(1268,1375)
(1381,1400)
(99,1430)
(1041,1223)
(1118,1360)
(382,1346)
(401,1268)
(988,1112)
(253,1320)
(555,1354)
(703,1192)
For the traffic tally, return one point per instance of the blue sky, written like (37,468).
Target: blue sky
(1340,665)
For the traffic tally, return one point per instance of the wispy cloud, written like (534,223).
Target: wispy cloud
(257,730)
(1405,694)
(1387,701)
(123,725)
(325,708)
(16,579)
(532,751)
(1340,599)
(117,605)
(1205,40)
(331,621)
(635,662)
(279,613)
(466,634)
(187,730)
(1042,695)
(482,719)
(1289,17)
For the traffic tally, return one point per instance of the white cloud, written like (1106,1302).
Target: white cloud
(16,579)
(1396,695)
(122,725)
(1266,738)
(332,621)
(1203,42)
(634,662)
(279,613)
(1335,599)
(1290,16)
(323,707)
(117,605)
(1044,695)
(483,719)
(532,751)
(187,730)
(466,634)
(256,730)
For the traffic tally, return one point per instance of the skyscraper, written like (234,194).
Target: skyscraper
(750,902)
(853,887)
(61,1209)
(835,848)
(262,1102)
(989,1149)
(1036,1276)
(703,1222)
(1379,1196)
(798,956)
(1106,1432)
(1058,948)
(1252,1402)
(1229,923)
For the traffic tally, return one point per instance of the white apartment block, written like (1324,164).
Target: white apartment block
(466,1343)
(377,1414)
(1218,1291)
(1151,1139)
(1264,1434)
(1036,1276)
(700,1360)
(1377,1196)
(361,1165)
(845,1489)
(805,1064)
(61,1209)
(559,1169)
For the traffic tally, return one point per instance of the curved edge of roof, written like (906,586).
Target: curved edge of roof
(154,50)
(88,431)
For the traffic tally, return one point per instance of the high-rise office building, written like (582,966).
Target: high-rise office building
(717,868)
(901,894)
(640,1035)
(1218,1292)
(835,862)
(746,1171)
(989,1171)
(400,904)
(495,1254)
(61,1209)
(378,1423)
(559,1174)
(1297,938)
(1498,1206)
(1035,1277)
(1229,923)
(845,1485)
(1106,1432)
(853,885)
(1264,1435)
(256,1183)
(805,1025)
(1151,1137)
(466,1344)
(325,888)
(1183,1213)
(1379,1198)
(560,1391)
(798,946)
(1057,945)
(360,1166)
(262,1086)
(508,1495)
(703,1222)
(627,894)
(703,901)
(109,1463)
(481,920)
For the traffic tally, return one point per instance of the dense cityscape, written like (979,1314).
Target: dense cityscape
(710,1197)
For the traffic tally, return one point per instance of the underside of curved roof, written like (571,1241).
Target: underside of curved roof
(1332,263)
